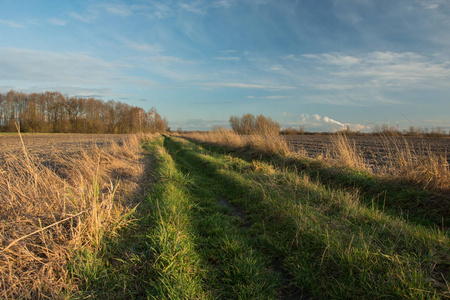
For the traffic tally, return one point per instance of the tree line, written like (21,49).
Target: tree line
(249,124)
(58,113)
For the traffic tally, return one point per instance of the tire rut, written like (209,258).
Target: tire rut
(287,291)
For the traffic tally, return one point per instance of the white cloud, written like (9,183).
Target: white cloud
(11,24)
(144,47)
(275,97)
(87,18)
(167,60)
(198,124)
(94,11)
(153,10)
(333,86)
(194,7)
(335,59)
(317,117)
(305,117)
(64,89)
(373,78)
(359,127)
(247,86)
(291,57)
(117,9)
(57,22)
(49,67)
(228,58)
(201,7)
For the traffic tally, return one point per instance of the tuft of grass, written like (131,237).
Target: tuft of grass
(345,154)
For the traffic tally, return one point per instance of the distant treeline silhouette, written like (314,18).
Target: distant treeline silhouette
(54,112)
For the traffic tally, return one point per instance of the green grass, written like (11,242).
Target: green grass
(422,206)
(219,226)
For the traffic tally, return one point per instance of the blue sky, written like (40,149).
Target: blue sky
(321,64)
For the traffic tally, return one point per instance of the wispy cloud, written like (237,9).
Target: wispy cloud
(335,59)
(228,58)
(144,47)
(117,9)
(368,78)
(240,85)
(196,7)
(57,22)
(86,18)
(49,67)
(12,24)
(75,91)
(94,11)
(198,124)
(201,7)
(153,9)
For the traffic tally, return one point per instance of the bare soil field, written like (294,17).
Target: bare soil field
(44,146)
(375,150)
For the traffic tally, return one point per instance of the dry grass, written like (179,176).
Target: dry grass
(50,209)
(345,153)
(421,166)
(265,144)
(402,161)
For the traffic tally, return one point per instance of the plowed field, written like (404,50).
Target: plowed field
(374,149)
(44,145)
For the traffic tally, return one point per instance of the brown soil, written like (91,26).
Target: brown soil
(44,145)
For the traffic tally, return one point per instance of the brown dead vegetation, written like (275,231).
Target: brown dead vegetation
(53,204)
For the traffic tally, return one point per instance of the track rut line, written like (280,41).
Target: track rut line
(207,184)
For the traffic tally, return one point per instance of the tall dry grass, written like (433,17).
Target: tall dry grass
(419,165)
(345,153)
(264,144)
(50,209)
(400,160)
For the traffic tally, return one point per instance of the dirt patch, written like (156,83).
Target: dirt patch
(235,211)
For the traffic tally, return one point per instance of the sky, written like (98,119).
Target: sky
(319,64)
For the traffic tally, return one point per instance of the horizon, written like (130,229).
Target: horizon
(321,65)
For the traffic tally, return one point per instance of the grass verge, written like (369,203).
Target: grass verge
(398,194)
(329,242)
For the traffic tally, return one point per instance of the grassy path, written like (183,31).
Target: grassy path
(219,227)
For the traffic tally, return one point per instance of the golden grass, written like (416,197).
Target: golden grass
(345,153)
(418,165)
(50,209)
(401,161)
(265,144)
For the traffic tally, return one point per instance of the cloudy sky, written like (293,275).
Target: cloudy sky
(318,64)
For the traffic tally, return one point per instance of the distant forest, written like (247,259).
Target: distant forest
(54,112)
